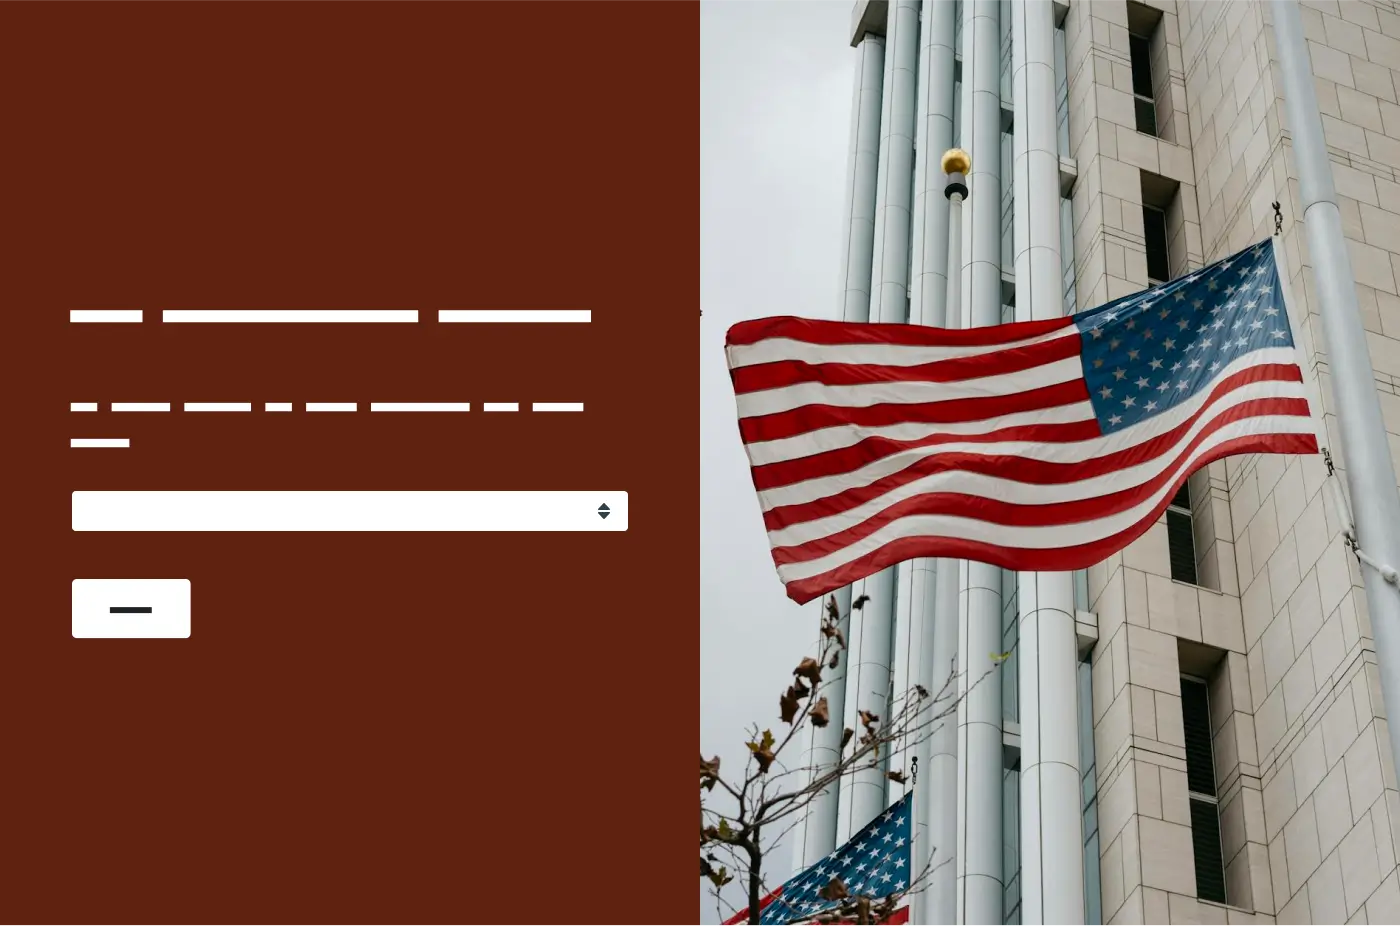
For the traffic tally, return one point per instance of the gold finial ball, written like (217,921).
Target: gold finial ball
(956,161)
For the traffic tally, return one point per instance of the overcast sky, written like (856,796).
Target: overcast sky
(775,107)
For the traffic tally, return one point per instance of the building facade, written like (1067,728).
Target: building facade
(1198,734)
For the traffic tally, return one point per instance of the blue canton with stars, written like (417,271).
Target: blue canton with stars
(875,863)
(1151,351)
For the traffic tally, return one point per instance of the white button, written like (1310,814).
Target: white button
(106,608)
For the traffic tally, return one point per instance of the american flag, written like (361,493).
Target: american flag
(1039,446)
(875,864)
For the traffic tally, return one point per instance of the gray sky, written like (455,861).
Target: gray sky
(775,107)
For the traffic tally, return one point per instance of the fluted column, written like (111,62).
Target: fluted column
(865,794)
(979,859)
(862,159)
(1052,845)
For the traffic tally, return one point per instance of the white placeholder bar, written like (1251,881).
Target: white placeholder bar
(290,316)
(502,406)
(131,608)
(514,316)
(100,442)
(557,407)
(105,315)
(218,406)
(420,406)
(82,406)
(277,406)
(349,511)
(332,407)
(140,406)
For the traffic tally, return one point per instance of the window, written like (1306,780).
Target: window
(1163,227)
(1139,49)
(1093,906)
(1011,845)
(1154,232)
(1200,785)
(1181,545)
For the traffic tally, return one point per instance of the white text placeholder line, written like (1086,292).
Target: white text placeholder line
(290,316)
(82,406)
(128,316)
(332,406)
(420,406)
(557,407)
(501,406)
(218,406)
(100,442)
(277,407)
(514,316)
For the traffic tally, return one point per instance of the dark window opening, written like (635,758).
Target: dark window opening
(1154,232)
(1200,785)
(1140,50)
(1181,542)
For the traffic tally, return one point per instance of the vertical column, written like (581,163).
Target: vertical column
(979,858)
(862,159)
(889,291)
(819,827)
(1052,861)
(868,675)
(934,589)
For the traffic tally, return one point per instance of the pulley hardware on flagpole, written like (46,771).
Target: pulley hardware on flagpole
(1333,487)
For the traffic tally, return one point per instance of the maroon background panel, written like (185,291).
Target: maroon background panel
(362,727)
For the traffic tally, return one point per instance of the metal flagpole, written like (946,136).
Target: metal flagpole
(1366,453)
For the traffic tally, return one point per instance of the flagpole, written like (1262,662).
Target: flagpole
(1365,450)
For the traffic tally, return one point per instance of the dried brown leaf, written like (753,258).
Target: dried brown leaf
(859,603)
(787,706)
(809,669)
(820,713)
(709,773)
(846,737)
(896,777)
(835,889)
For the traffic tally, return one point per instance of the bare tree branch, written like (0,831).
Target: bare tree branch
(772,793)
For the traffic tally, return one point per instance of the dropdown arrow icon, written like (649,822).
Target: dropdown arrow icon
(604,510)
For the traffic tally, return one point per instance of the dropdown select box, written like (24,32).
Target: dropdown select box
(314,511)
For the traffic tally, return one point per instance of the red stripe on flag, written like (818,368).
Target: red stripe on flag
(1016,514)
(1064,559)
(815,331)
(1013,466)
(815,417)
(781,373)
(848,459)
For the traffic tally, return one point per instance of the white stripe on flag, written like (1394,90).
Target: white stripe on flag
(837,438)
(786,398)
(774,349)
(1036,538)
(963,482)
